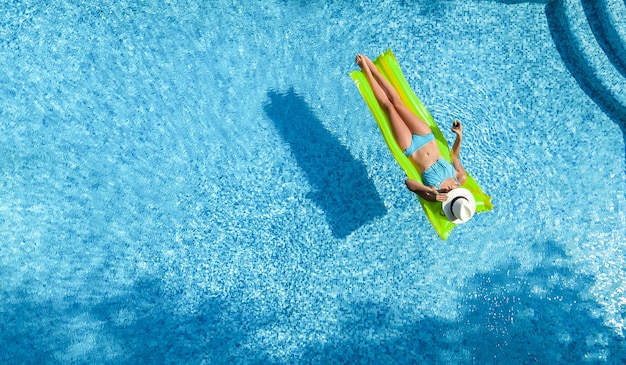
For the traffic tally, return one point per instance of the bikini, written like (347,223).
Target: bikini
(438,172)
(417,142)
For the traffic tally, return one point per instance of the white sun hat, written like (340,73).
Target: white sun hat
(460,206)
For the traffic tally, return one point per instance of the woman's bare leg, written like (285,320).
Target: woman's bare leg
(400,130)
(415,124)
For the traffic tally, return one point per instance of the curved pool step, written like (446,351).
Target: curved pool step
(586,59)
(615,12)
(607,19)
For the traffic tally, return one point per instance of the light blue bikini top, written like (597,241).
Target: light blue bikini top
(439,172)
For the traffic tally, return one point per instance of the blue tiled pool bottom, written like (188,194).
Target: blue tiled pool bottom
(202,184)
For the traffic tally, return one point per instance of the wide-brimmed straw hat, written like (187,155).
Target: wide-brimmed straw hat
(460,206)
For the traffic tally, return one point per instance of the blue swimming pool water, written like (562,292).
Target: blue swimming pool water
(199,182)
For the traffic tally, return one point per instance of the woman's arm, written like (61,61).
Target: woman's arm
(427,192)
(457,128)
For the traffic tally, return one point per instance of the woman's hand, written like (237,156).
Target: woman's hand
(429,193)
(457,127)
(440,197)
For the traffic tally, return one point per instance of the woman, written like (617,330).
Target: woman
(417,141)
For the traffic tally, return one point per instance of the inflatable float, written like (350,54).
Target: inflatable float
(389,67)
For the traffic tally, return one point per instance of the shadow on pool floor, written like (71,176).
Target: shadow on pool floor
(340,183)
(508,316)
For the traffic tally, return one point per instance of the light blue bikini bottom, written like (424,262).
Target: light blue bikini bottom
(417,142)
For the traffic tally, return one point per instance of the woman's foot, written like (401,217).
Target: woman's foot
(370,64)
(361,60)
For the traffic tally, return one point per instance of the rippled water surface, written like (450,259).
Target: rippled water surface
(201,183)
